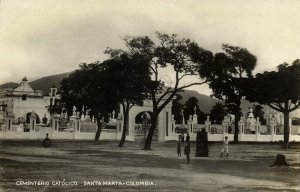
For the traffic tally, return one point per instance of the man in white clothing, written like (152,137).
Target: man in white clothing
(225,147)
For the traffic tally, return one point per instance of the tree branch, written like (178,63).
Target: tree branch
(279,106)
(295,107)
(163,95)
(275,108)
(186,74)
(192,84)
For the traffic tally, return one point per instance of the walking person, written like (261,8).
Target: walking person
(46,142)
(187,151)
(182,137)
(179,148)
(225,147)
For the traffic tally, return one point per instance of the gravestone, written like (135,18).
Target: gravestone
(202,144)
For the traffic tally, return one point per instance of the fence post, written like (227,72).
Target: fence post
(273,128)
(173,126)
(119,126)
(55,124)
(32,121)
(190,125)
(9,119)
(257,128)
(208,125)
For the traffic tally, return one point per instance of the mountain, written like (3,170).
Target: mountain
(205,102)
(45,83)
(9,85)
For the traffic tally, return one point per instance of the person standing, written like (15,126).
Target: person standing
(225,147)
(179,148)
(187,139)
(187,151)
(182,137)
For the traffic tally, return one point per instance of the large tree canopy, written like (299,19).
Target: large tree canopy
(278,89)
(130,74)
(181,56)
(176,109)
(226,75)
(102,86)
(87,86)
(189,109)
(218,113)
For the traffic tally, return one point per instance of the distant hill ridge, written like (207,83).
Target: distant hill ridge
(44,83)
(205,102)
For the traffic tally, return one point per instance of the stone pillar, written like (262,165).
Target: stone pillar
(190,124)
(8,121)
(195,119)
(32,121)
(55,124)
(82,114)
(119,126)
(257,126)
(173,125)
(273,128)
(242,126)
(1,113)
(225,127)
(76,123)
(207,125)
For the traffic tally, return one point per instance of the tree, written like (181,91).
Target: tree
(182,56)
(189,109)
(280,90)
(131,75)
(227,75)
(258,112)
(176,109)
(217,113)
(88,86)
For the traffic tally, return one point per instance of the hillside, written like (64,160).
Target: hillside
(45,83)
(9,85)
(205,102)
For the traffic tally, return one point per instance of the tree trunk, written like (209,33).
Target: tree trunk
(125,120)
(98,132)
(286,130)
(236,127)
(280,161)
(148,141)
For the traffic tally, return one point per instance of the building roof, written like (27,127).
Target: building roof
(24,87)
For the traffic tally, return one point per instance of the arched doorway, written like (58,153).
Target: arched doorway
(143,117)
(28,118)
(142,125)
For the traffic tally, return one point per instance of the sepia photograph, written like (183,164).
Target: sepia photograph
(149,96)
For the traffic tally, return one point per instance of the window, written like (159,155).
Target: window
(24,97)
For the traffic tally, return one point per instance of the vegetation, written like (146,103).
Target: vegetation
(227,74)
(182,56)
(278,89)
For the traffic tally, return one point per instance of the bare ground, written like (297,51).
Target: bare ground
(246,169)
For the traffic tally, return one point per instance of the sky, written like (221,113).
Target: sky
(41,38)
